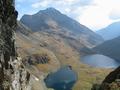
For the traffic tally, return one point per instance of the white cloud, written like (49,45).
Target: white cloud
(115,11)
(44,3)
(67,10)
(41,4)
(94,18)
(114,15)
(98,15)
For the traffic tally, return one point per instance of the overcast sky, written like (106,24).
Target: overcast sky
(95,14)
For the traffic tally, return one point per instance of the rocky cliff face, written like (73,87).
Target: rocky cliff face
(13,76)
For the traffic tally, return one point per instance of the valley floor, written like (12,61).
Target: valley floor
(89,76)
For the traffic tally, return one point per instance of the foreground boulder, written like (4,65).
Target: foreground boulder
(111,82)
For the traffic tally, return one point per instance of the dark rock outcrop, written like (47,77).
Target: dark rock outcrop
(38,59)
(113,76)
(111,82)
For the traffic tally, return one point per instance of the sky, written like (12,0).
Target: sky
(95,14)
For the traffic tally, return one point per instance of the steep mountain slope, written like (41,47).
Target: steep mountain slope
(110,48)
(53,20)
(110,32)
(29,44)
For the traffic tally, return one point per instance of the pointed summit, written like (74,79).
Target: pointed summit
(50,17)
(49,11)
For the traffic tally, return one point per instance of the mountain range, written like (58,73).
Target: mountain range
(110,32)
(51,20)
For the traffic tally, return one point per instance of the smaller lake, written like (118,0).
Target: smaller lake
(63,79)
(98,60)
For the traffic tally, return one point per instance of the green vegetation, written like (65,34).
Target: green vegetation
(89,76)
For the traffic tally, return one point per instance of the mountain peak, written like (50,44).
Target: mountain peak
(49,10)
(50,17)
(52,9)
